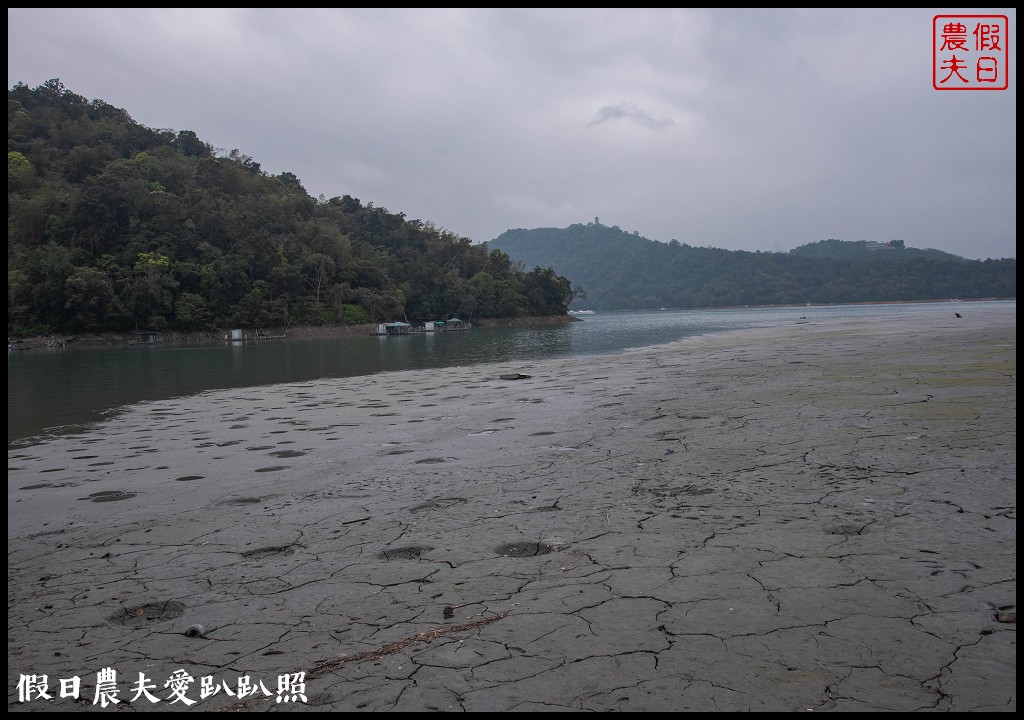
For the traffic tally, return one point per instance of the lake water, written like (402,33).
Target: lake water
(52,391)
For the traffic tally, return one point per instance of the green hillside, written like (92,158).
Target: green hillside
(619,270)
(114,226)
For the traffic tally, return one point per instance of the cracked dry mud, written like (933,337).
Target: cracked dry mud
(819,517)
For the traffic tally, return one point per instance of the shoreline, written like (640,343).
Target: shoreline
(174,337)
(213,336)
(812,517)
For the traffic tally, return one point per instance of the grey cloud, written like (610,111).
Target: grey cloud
(738,129)
(629,111)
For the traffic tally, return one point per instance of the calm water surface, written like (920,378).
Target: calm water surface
(58,390)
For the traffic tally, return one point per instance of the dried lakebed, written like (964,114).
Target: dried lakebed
(819,517)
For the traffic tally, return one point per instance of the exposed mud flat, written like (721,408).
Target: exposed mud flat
(818,517)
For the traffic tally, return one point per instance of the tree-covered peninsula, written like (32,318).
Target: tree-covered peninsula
(114,226)
(615,269)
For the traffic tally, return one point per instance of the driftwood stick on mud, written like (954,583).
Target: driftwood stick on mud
(322,667)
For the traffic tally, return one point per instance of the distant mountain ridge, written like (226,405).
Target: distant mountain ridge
(620,270)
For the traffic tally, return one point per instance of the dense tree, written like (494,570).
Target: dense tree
(113,225)
(188,144)
(91,301)
(619,270)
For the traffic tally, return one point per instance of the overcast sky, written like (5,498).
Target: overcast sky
(739,129)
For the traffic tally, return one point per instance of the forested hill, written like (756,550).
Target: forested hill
(115,226)
(619,270)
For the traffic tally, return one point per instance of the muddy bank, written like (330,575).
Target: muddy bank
(815,517)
